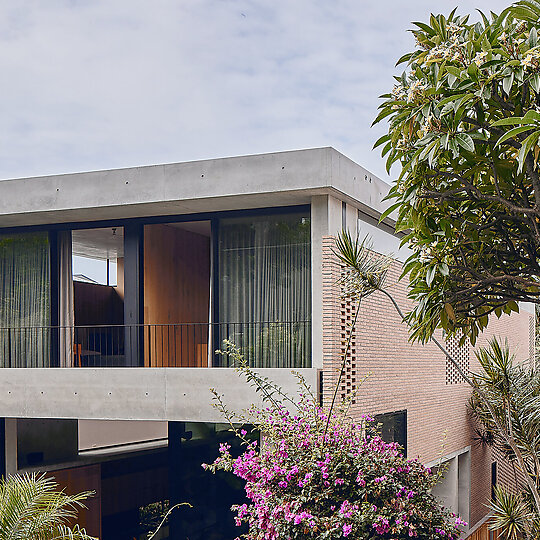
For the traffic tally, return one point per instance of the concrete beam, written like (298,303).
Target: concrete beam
(282,178)
(175,394)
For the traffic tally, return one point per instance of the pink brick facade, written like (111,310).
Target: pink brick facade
(406,376)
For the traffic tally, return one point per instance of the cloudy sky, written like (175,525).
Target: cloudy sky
(93,84)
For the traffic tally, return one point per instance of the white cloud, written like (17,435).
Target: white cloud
(109,83)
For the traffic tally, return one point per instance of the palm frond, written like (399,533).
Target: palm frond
(364,272)
(32,506)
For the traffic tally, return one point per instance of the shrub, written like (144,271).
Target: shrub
(315,476)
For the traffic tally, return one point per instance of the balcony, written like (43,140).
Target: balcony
(182,345)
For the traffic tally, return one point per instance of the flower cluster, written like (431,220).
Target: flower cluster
(320,477)
(531,59)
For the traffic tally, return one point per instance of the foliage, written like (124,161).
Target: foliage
(32,507)
(464,124)
(513,392)
(310,481)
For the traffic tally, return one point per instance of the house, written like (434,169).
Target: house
(106,380)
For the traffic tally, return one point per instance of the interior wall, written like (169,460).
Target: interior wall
(176,290)
(97,304)
(120,277)
(42,441)
(102,433)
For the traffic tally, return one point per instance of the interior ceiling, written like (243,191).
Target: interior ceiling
(108,243)
(198,227)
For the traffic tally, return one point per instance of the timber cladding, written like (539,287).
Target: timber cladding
(176,290)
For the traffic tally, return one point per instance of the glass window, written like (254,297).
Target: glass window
(393,428)
(265,288)
(24,300)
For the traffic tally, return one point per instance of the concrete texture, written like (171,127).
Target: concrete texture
(283,178)
(181,394)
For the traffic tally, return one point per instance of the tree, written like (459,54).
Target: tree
(464,124)
(32,507)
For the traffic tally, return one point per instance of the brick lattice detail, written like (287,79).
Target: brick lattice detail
(462,355)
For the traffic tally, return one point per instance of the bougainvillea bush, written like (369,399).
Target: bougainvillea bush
(325,478)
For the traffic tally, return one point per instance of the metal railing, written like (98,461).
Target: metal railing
(262,344)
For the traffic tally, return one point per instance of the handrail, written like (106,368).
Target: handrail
(263,344)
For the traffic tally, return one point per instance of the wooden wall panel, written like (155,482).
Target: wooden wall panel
(483,533)
(76,480)
(97,304)
(176,290)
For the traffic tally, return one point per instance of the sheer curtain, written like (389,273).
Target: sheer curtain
(24,300)
(265,288)
(67,316)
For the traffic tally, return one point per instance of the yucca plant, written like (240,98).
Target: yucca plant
(511,515)
(32,507)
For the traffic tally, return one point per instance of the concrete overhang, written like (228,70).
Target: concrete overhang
(134,393)
(257,181)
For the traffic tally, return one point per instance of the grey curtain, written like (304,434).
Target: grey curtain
(265,288)
(24,300)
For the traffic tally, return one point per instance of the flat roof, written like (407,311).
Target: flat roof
(233,183)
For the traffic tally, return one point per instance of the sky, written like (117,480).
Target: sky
(99,84)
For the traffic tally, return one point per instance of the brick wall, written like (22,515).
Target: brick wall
(402,375)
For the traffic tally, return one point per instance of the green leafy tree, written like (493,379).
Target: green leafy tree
(32,508)
(464,124)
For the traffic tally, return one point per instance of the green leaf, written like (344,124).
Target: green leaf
(532,115)
(383,114)
(507,83)
(454,71)
(533,37)
(465,141)
(510,121)
(430,274)
(382,139)
(534,81)
(389,210)
(527,144)
(512,133)
(426,28)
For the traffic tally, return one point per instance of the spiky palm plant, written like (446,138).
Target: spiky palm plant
(510,514)
(33,508)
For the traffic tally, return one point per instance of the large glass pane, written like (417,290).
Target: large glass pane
(24,300)
(265,288)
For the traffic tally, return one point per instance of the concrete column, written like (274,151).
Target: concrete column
(464,485)
(446,490)
(352,220)
(319,228)
(326,219)
(10,445)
